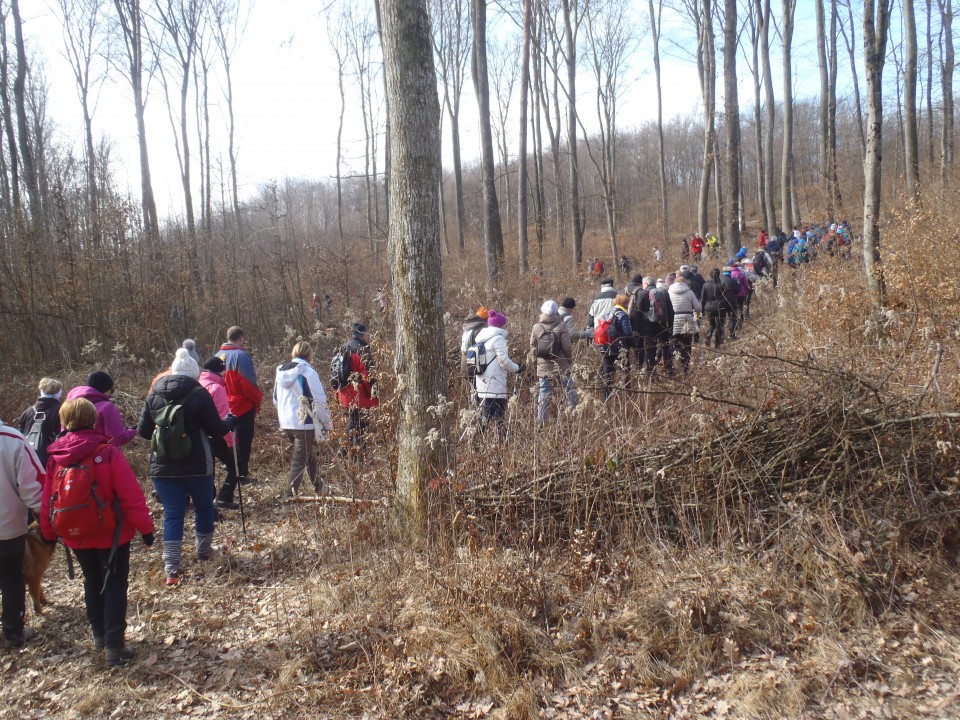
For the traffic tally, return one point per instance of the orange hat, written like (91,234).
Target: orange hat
(482,312)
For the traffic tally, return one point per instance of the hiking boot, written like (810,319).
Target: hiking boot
(173,579)
(247,480)
(119,656)
(98,643)
(226,504)
(17,641)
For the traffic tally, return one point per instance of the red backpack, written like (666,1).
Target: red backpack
(603,332)
(76,511)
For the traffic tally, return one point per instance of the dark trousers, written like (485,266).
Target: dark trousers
(682,344)
(493,410)
(243,436)
(733,319)
(356,425)
(224,453)
(13,585)
(660,350)
(106,605)
(715,318)
(608,368)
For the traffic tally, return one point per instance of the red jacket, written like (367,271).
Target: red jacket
(114,479)
(241,379)
(696,244)
(358,394)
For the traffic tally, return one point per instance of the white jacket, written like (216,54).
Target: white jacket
(21,483)
(287,391)
(493,382)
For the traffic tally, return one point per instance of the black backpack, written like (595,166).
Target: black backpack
(760,262)
(340,367)
(659,305)
(36,438)
(546,345)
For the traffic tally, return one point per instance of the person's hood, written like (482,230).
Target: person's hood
(619,307)
(288,373)
(174,387)
(45,404)
(473,322)
(488,333)
(208,377)
(550,321)
(85,391)
(679,288)
(75,446)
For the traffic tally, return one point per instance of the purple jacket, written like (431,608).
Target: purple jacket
(109,421)
(738,275)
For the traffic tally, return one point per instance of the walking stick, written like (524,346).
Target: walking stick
(236,470)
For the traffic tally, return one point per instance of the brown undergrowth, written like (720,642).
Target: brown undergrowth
(774,535)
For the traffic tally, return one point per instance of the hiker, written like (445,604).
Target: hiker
(359,394)
(45,411)
(492,382)
(713,244)
(99,390)
(180,469)
(191,347)
(697,280)
(685,306)
(21,478)
(328,305)
(242,393)
(626,265)
(637,290)
(472,324)
(602,303)
(659,310)
(619,334)
(315,306)
(568,307)
(211,378)
(684,250)
(763,238)
(657,255)
(301,404)
(551,343)
(696,246)
(712,299)
(103,552)
(728,305)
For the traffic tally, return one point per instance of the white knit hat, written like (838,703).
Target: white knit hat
(183,364)
(549,308)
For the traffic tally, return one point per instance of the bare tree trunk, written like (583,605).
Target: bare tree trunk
(763,21)
(833,177)
(539,193)
(911,146)
(9,126)
(857,105)
(225,21)
(822,135)
(874,53)
(414,240)
(786,167)
(23,136)
(656,15)
(757,117)
(570,26)
(706,64)
(388,149)
(946,79)
(731,110)
(522,240)
(492,230)
(930,155)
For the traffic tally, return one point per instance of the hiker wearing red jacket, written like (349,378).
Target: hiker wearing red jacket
(359,395)
(242,393)
(696,246)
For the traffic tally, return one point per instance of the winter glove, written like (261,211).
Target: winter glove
(231,421)
(148,539)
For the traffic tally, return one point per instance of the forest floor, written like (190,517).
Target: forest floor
(800,602)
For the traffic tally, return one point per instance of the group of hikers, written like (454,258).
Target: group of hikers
(64,464)
(645,324)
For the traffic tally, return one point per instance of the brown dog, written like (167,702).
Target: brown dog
(36,560)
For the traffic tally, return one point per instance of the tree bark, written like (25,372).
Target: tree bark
(946,79)
(656,15)
(822,135)
(731,109)
(874,53)
(30,176)
(570,26)
(763,20)
(786,166)
(9,126)
(414,241)
(523,242)
(911,142)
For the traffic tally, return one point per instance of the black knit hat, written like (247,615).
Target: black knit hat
(214,364)
(100,381)
(359,329)
(569,303)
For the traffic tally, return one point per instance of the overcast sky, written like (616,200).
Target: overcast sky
(287,103)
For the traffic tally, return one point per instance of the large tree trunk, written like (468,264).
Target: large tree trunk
(492,229)
(874,53)
(576,211)
(656,13)
(763,19)
(731,109)
(786,166)
(414,241)
(522,240)
(834,177)
(706,62)
(30,176)
(822,134)
(911,146)
(930,142)
(9,126)
(946,79)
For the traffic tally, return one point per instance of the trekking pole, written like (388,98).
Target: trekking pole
(236,471)
(70,572)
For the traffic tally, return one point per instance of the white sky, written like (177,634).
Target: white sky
(287,103)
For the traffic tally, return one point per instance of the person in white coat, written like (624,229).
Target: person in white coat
(492,386)
(685,307)
(301,404)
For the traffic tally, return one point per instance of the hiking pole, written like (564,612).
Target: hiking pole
(236,471)
(70,572)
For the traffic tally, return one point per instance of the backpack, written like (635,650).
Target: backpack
(76,511)
(35,437)
(603,333)
(546,345)
(340,368)
(170,440)
(760,262)
(659,304)
(477,361)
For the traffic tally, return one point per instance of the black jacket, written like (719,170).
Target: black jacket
(50,407)
(201,421)
(696,283)
(712,297)
(731,288)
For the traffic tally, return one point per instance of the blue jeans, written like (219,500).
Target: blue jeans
(546,387)
(173,492)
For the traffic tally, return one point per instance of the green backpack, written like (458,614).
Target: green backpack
(170,440)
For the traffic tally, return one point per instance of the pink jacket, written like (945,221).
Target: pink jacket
(109,420)
(217,387)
